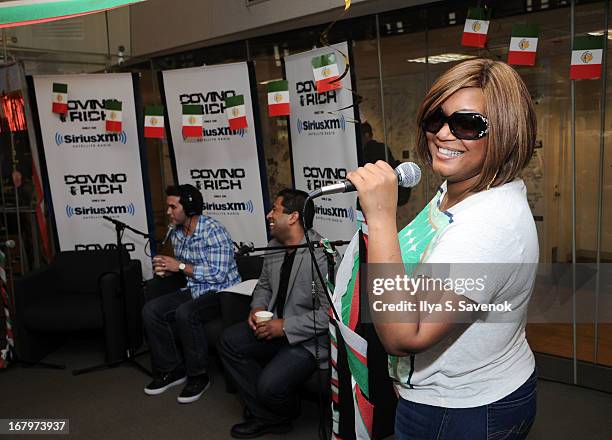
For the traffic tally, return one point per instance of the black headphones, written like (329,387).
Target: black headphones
(191,199)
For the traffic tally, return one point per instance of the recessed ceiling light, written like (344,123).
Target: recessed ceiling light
(263,83)
(601,32)
(442,58)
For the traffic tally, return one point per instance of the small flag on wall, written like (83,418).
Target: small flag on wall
(523,45)
(235,111)
(587,53)
(476,28)
(325,71)
(113,115)
(278,98)
(60,98)
(193,121)
(154,121)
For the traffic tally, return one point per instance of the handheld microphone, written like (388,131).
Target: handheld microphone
(8,244)
(408,175)
(245,248)
(113,221)
(169,232)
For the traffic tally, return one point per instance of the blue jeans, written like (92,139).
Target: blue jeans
(266,373)
(177,317)
(510,418)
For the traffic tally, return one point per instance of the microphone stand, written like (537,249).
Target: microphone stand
(323,431)
(129,357)
(248,249)
(242,250)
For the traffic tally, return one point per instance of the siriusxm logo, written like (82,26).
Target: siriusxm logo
(81,211)
(230,206)
(326,126)
(340,213)
(99,138)
(223,131)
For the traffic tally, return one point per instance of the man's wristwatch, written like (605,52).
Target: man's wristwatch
(182,267)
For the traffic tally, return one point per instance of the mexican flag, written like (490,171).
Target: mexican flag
(193,120)
(235,111)
(2,271)
(587,53)
(60,98)
(278,98)
(40,207)
(154,121)
(523,45)
(476,28)
(113,115)
(325,71)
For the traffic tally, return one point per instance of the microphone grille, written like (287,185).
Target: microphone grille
(409,174)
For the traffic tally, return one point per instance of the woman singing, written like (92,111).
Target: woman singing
(459,379)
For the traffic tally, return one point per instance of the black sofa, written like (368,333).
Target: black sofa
(79,291)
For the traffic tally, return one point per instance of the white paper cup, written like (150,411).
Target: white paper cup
(158,270)
(263,315)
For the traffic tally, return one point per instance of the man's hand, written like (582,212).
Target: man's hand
(251,318)
(270,329)
(163,263)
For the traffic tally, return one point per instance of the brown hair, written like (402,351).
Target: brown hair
(508,107)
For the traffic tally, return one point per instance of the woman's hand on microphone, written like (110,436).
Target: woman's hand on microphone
(376,184)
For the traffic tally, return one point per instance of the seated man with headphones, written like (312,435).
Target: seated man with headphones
(203,252)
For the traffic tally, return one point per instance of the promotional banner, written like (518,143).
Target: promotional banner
(93,172)
(222,163)
(323,140)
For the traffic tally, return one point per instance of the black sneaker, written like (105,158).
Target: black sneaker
(196,385)
(163,381)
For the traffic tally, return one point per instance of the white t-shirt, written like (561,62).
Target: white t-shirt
(488,360)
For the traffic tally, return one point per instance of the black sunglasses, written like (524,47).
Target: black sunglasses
(463,125)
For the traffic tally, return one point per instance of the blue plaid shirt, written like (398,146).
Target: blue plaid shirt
(211,253)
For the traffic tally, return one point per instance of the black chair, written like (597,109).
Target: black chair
(79,291)
(236,307)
